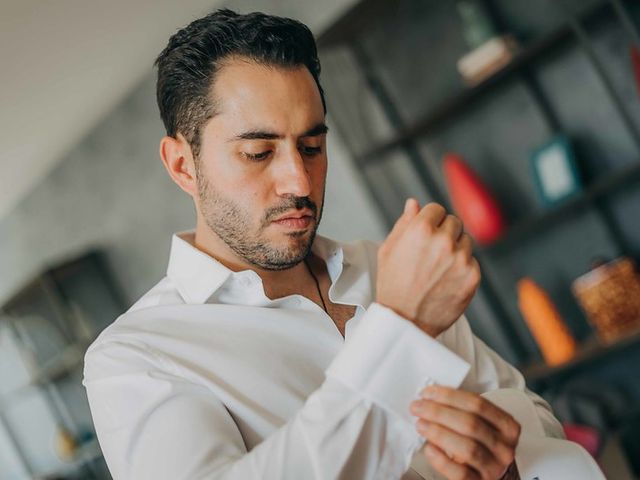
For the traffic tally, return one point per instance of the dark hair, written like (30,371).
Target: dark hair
(188,64)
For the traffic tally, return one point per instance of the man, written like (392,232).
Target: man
(269,351)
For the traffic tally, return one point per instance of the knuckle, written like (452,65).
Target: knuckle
(476,404)
(418,231)
(493,440)
(460,259)
(443,244)
(513,428)
(465,257)
(435,206)
(474,275)
(471,288)
(425,228)
(475,452)
(444,394)
(473,424)
(435,430)
(453,219)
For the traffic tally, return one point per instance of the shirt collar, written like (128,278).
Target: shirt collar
(198,275)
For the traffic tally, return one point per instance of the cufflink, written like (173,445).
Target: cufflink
(427,383)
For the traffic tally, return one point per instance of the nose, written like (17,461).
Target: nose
(292,177)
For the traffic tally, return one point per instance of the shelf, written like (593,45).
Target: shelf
(60,365)
(591,352)
(458,103)
(613,182)
(57,367)
(85,453)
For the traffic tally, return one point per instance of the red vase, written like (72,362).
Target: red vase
(472,201)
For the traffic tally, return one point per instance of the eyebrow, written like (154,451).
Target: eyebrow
(318,129)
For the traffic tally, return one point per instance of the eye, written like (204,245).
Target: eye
(256,157)
(311,151)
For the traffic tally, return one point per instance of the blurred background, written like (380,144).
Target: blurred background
(522,117)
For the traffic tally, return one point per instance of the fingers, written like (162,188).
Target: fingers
(433,214)
(446,466)
(411,206)
(474,403)
(466,244)
(466,424)
(452,226)
(462,450)
(411,209)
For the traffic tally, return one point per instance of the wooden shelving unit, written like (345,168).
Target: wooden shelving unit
(590,353)
(613,183)
(61,365)
(73,299)
(457,104)
(347,32)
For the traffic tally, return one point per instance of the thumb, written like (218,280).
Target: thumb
(411,209)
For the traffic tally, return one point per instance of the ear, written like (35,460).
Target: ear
(178,159)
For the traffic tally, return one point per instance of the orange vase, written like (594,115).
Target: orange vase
(472,201)
(545,323)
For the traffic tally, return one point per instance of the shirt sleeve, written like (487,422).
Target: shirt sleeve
(498,381)
(152,423)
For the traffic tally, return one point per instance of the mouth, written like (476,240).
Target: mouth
(298,219)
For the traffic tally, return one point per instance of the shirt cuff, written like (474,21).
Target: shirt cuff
(389,360)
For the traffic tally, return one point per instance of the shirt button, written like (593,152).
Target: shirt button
(245,282)
(297,302)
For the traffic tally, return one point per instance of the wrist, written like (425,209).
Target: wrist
(428,329)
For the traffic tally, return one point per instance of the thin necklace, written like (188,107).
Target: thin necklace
(317,286)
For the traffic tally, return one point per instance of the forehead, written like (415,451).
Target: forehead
(247,94)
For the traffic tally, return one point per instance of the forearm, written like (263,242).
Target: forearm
(335,435)
(153,422)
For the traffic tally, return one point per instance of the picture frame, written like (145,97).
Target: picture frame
(555,171)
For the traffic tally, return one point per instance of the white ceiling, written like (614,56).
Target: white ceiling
(64,64)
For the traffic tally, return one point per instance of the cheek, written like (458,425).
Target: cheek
(319,175)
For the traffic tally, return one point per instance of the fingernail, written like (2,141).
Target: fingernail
(428,392)
(406,205)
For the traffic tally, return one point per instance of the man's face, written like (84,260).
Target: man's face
(262,158)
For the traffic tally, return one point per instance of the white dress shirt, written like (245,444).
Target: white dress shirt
(205,377)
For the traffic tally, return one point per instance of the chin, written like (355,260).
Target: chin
(297,249)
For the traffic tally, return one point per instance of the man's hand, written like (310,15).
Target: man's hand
(426,272)
(468,437)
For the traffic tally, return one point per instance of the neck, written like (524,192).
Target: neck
(276,283)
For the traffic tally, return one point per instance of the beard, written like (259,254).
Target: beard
(233,225)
